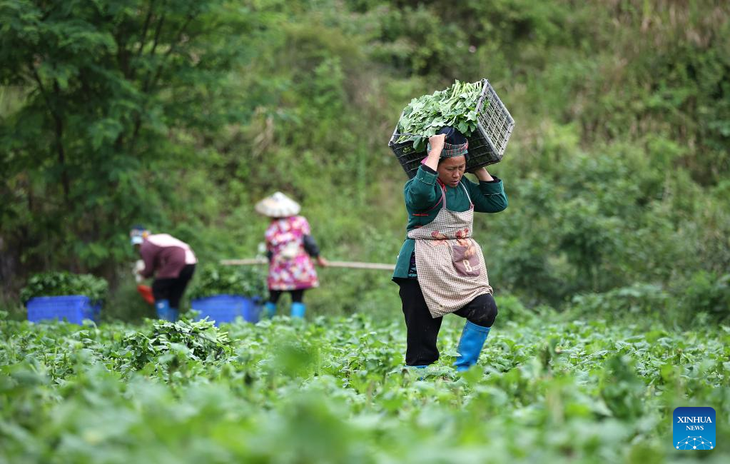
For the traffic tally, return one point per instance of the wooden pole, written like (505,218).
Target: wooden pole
(343,264)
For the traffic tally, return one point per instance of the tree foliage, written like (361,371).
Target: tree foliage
(113,92)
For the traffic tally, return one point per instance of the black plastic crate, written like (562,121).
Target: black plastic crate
(487,144)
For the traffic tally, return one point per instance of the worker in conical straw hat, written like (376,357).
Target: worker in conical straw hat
(440,268)
(290,248)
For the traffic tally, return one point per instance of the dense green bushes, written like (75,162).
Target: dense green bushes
(64,283)
(704,298)
(214,280)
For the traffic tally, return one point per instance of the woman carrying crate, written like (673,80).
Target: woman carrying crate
(440,268)
(289,247)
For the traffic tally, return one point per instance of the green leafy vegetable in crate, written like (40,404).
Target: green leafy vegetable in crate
(65,283)
(455,107)
(227,280)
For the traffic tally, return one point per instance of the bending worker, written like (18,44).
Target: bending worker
(440,268)
(171,262)
(289,247)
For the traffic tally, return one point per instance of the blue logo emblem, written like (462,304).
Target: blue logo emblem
(694,429)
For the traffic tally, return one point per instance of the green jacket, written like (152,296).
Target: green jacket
(423,192)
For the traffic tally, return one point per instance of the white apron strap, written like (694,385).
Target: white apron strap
(466,190)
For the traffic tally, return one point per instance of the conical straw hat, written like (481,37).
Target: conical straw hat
(278,205)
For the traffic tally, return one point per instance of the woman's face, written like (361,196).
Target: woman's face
(451,170)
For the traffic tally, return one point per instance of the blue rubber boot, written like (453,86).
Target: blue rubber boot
(470,345)
(173,314)
(270,309)
(163,308)
(298,309)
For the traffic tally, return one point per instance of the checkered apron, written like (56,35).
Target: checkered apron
(450,265)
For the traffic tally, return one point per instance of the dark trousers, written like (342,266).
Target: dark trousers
(172,289)
(296,295)
(423,329)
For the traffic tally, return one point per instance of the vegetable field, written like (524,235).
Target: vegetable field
(333,390)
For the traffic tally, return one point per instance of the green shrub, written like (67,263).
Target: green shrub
(228,280)
(511,308)
(126,304)
(708,293)
(65,283)
(167,340)
(640,299)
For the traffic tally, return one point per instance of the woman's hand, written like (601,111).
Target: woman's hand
(483,175)
(437,146)
(437,143)
(322,262)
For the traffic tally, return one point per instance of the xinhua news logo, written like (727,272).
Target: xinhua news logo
(694,429)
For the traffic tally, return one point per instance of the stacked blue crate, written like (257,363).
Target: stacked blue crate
(251,309)
(226,308)
(71,308)
(96,311)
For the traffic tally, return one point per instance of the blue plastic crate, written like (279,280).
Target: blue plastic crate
(96,311)
(226,308)
(251,310)
(72,308)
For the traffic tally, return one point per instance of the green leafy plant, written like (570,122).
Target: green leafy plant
(227,280)
(197,341)
(65,283)
(710,293)
(455,107)
(546,389)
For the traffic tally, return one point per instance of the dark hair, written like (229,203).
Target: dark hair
(453,136)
